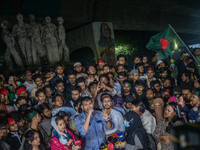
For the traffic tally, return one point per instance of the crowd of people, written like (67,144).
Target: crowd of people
(99,106)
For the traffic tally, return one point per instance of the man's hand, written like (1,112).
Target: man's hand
(90,112)
(76,147)
(105,116)
(181,101)
(99,87)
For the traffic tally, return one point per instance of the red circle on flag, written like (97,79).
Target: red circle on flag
(164,43)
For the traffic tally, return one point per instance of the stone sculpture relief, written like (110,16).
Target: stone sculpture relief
(35,42)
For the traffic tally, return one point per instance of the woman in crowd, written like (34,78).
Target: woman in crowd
(162,132)
(136,135)
(158,105)
(61,135)
(32,141)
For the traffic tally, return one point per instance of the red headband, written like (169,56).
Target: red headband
(4,91)
(149,68)
(167,90)
(22,89)
(99,61)
(10,120)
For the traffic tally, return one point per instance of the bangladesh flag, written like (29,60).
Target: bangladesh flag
(164,43)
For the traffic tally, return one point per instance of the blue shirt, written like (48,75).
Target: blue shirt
(71,111)
(95,135)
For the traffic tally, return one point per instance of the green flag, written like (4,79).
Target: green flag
(165,43)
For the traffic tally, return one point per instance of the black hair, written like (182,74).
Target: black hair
(91,85)
(122,74)
(39,91)
(24,108)
(120,65)
(71,72)
(140,104)
(36,76)
(138,65)
(187,87)
(106,94)
(127,81)
(153,55)
(121,55)
(20,98)
(195,49)
(174,119)
(144,55)
(183,53)
(3,121)
(62,113)
(191,65)
(153,90)
(76,88)
(110,73)
(187,73)
(162,69)
(29,136)
(103,75)
(86,98)
(15,115)
(106,65)
(54,98)
(167,78)
(58,64)
(58,82)
(47,86)
(42,107)
(190,58)
(87,68)
(139,82)
(80,79)
(58,118)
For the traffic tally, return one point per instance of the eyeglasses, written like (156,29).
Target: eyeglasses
(106,102)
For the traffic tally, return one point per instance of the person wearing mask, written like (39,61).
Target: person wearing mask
(158,106)
(148,121)
(162,133)
(91,123)
(32,141)
(136,135)
(61,135)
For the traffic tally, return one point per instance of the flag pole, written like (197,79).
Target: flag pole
(184,44)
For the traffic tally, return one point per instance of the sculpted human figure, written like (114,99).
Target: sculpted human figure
(22,32)
(63,49)
(10,42)
(51,40)
(37,48)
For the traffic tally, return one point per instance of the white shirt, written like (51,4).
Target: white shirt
(29,86)
(117,122)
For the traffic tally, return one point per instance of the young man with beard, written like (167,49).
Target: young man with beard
(40,97)
(78,68)
(48,92)
(29,83)
(140,93)
(60,89)
(72,81)
(114,115)
(81,83)
(100,64)
(127,88)
(150,95)
(166,95)
(59,70)
(128,99)
(150,73)
(45,112)
(39,85)
(92,75)
(140,69)
(3,133)
(76,97)
(113,83)
(91,123)
(121,60)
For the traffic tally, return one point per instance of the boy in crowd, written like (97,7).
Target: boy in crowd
(106,68)
(92,75)
(72,80)
(29,83)
(82,84)
(140,69)
(135,76)
(37,78)
(59,70)
(127,88)
(58,103)
(186,75)
(145,64)
(76,97)
(48,92)
(150,74)
(140,93)
(163,73)
(128,99)
(137,60)
(156,85)
(21,100)
(60,89)
(113,83)
(40,97)
(120,68)
(100,64)
(121,60)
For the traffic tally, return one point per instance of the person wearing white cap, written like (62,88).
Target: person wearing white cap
(79,69)
(160,64)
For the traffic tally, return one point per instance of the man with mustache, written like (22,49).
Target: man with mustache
(37,78)
(60,89)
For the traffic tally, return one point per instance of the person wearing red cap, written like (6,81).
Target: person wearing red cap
(100,64)
(21,91)
(13,137)
(4,96)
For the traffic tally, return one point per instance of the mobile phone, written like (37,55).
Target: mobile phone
(39,70)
